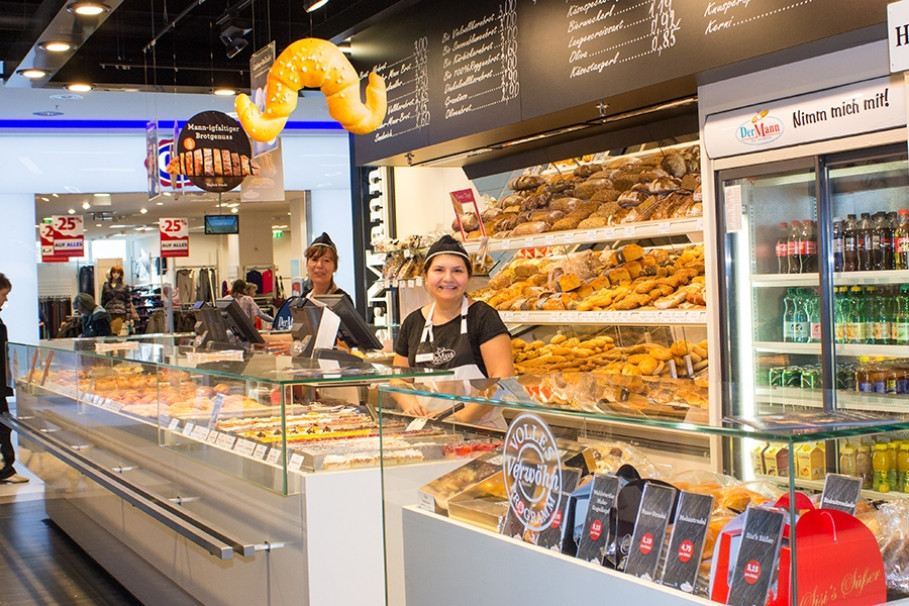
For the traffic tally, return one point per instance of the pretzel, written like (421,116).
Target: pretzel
(312,63)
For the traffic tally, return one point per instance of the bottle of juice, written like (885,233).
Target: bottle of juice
(863,465)
(902,467)
(892,471)
(848,462)
(880,464)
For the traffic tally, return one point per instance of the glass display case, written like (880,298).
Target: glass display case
(811,258)
(480,507)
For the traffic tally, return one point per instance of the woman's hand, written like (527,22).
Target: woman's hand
(412,406)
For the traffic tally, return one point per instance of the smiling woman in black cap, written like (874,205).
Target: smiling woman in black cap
(454,332)
(321,265)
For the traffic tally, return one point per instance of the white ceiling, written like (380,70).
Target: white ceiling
(64,167)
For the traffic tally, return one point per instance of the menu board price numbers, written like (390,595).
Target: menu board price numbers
(663,26)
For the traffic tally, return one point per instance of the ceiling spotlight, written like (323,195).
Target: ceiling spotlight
(71,211)
(32,73)
(86,205)
(312,5)
(235,210)
(143,210)
(77,87)
(224,92)
(55,46)
(88,9)
(232,37)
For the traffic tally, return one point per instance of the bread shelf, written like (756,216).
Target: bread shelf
(636,317)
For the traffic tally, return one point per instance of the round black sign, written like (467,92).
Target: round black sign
(213,151)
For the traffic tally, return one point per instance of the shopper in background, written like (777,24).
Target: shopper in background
(115,298)
(454,333)
(321,265)
(8,474)
(95,319)
(246,303)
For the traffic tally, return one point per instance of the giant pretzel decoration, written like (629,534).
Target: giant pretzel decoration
(314,63)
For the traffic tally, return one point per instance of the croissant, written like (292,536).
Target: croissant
(312,63)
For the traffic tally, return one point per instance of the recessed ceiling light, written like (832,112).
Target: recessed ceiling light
(225,92)
(160,203)
(86,205)
(55,46)
(32,73)
(45,199)
(143,210)
(78,87)
(235,210)
(88,9)
(66,97)
(48,113)
(101,195)
(97,225)
(71,211)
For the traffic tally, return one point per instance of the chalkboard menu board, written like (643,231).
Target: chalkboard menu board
(459,68)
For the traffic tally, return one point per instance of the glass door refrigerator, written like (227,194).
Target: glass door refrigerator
(814,269)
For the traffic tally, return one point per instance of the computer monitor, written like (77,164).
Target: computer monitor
(354,330)
(225,319)
(238,322)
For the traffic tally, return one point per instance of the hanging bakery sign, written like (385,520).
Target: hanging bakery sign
(314,63)
(533,472)
(213,152)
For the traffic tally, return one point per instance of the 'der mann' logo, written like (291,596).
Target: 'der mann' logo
(760,129)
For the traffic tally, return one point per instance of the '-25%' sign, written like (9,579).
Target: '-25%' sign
(67,235)
(533,472)
(174,236)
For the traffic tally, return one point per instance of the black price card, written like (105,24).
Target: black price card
(756,561)
(594,536)
(512,526)
(650,531)
(686,545)
(841,492)
(554,537)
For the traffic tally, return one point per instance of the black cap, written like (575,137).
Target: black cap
(324,240)
(446,245)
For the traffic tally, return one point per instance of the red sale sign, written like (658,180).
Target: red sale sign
(174,237)
(46,234)
(68,237)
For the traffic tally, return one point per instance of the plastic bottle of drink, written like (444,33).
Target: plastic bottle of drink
(888,239)
(801,326)
(847,460)
(792,243)
(814,317)
(867,300)
(808,247)
(850,244)
(853,313)
(902,467)
(879,312)
(837,245)
(902,316)
(892,471)
(839,314)
(863,381)
(880,464)
(863,464)
(788,317)
(782,249)
(876,226)
(863,242)
(901,246)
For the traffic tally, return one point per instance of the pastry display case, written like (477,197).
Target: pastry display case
(481,507)
(223,475)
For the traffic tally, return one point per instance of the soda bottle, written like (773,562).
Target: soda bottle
(863,242)
(876,225)
(902,316)
(801,325)
(837,245)
(850,244)
(880,464)
(854,322)
(901,246)
(888,241)
(808,247)
(782,249)
(839,314)
(792,244)
(814,318)
(788,318)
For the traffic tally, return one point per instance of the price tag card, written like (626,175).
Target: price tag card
(841,492)
(200,432)
(630,230)
(686,544)
(188,429)
(411,283)
(624,317)
(174,424)
(592,547)
(225,441)
(549,239)
(650,531)
(554,536)
(261,451)
(418,282)
(528,243)
(274,456)
(512,526)
(664,228)
(244,447)
(700,225)
(216,410)
(113,404)
(427,502)
(757,558)
(608,234)
(213,436)
(569,237)
(417,425)
(296,461)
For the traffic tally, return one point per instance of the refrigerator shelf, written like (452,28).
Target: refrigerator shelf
(787,347)
(845,278)
(848,400)
(636,317)
(842,349)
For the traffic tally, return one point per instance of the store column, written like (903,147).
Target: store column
(299,221)
(19,263)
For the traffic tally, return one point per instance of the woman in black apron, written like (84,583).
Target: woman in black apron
(454,333)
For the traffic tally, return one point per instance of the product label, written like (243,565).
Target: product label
(782,249)
(902,332)
(594,536)
(650,531)
(815,331)
(849,244)
(757,557)
(811,247)
(841,492)
(686,544)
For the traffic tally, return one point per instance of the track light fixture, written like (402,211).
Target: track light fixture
(232,37)
(312,5)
